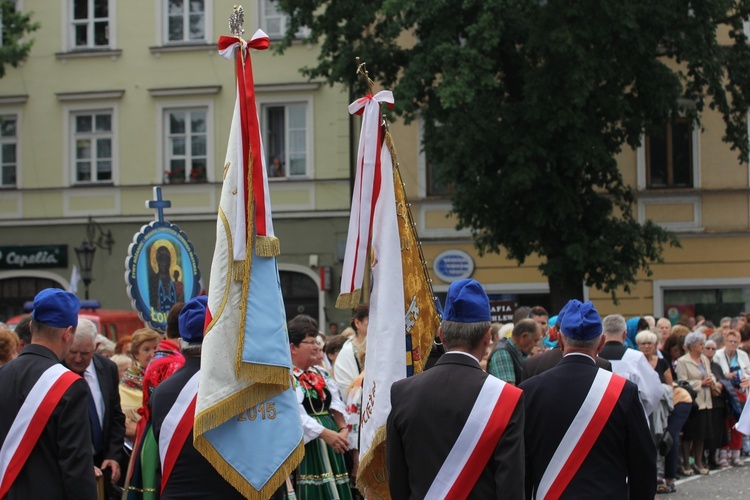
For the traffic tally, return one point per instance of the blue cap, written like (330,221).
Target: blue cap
(192,319)
(579,320)
(466,302)
(56,308)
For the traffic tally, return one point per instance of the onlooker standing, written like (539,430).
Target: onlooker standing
(105,415)
(347,367)
(23,330)
(8,346)
(735,366)
(695,368)
(506,360)
(143,345)
(719,438)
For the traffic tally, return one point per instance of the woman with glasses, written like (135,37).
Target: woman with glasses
(322,473)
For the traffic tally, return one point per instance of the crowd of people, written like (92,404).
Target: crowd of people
(687,382)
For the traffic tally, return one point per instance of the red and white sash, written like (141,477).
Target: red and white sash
(31,421)
(581,435)
(176,427)
(483,429)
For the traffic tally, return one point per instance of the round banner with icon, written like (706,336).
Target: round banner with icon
(161,269)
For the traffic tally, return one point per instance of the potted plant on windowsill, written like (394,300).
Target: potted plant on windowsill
(174,176)
(198,174)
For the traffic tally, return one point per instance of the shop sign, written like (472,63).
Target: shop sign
(502,311)
(161,267)
(453,265)
(33,257)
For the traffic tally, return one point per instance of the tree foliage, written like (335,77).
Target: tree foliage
(527,103)
(13,49)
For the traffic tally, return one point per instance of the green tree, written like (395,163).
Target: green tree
(14,50)
(526,103)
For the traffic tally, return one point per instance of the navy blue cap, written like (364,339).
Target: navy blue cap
(579,320)
(56,308)
(192,319)
(466,302)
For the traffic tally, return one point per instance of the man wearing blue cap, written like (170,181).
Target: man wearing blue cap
(185,473)
(455,431)
(586,432)
(45,440)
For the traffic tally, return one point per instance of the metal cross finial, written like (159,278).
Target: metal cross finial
(362,70)
(236,20)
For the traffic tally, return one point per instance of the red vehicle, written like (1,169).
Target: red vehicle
(112,323)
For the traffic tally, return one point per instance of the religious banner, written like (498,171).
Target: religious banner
(247,421)
(161,268)
(403,316)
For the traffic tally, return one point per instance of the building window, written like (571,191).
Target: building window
(669,156)
(8,150)
(713,303)
(186,144)
(274,22)
(93,141)
(285,137)
(90,24)
(185,21)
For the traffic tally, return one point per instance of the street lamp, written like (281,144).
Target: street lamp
(85,255)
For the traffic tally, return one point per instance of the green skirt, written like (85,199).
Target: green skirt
(322,473)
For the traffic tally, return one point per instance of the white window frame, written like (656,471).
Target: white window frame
(642,179)
(163,24)
(162,153)
(309,131)
(17,140)
(69,114)
(69,24)
(263,17)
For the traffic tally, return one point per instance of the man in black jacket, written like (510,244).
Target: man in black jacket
(104,408)
(60,463)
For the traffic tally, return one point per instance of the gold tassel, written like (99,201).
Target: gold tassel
(349,300)
(240,483)
(372,475)
(267,246)
(238,270)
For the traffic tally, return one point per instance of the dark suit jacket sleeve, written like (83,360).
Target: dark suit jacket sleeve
(74,444)
(509,458)
(398,471)
(116,435)
(641,452)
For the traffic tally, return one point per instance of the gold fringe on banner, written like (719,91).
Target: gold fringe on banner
(349,300)
(263,374)
(372,476)
(240,483)
(245,279)
(267,246)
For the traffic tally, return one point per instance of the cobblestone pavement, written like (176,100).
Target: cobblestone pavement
(727,484)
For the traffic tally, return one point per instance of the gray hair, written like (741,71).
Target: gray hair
(614,324)
(718,339)
(466,335)
(711,342)
(725,319)
(582,344)
(191,349)
(104,344)
(645,336)
(694,338)
(86,331)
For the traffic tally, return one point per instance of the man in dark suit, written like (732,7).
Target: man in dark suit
(426,430)
(60,463)
(542,362)
(105,414)
(564,405)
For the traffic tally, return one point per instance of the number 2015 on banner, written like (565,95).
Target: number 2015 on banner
(264,410)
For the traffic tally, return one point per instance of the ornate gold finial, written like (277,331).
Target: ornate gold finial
(236,20)
(362,70)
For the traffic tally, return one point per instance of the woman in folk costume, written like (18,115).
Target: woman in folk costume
(143,346)
(322,473)
(142,477)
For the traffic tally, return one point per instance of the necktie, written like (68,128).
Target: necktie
(96,428)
